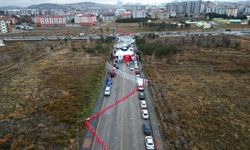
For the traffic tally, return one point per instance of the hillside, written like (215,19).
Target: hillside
(71,6)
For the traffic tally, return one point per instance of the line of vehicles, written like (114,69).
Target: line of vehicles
(133,65)
(147,130)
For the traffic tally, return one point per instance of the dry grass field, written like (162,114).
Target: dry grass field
(46,92)
(203,99)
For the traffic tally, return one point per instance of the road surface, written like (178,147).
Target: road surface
(243,33)
(121,127)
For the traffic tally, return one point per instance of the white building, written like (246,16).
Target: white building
(85,19)
(1,43)
(217,10)
(232,12)
(4,27)
(247,11)
(248,17)
(108,17)
(139,14)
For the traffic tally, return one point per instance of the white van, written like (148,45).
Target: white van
(107,91)
(140,84)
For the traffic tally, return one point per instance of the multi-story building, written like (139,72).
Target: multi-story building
(139,14)
(108,17)
(232,12)
(4,26)
(22,12)
(134,7)
(217,10)
(50,21)
(85,19)
(188,7)
(122,13)
(162,15)
(247,11)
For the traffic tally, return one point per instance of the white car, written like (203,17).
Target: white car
(131,67)
(138,75)
(149,142)
(145,114)
(107,91)
(143,104)
(136,66)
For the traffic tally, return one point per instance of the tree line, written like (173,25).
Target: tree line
(224,16)
(159,50)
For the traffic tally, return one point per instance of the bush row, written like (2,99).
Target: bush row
(156,49)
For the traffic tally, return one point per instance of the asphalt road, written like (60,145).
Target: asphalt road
(121,127)
(245,32)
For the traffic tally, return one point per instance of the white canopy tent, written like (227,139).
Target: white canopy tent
(120,53)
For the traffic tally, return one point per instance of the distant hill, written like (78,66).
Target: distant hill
(48,6)
(84,5)
(10,7)
(70,6)
(81,5)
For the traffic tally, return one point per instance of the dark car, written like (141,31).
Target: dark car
(146,128)
(137,71)
(141,95)
(109,81)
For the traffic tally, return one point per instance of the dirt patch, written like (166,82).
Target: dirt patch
(202,100)
(45,100)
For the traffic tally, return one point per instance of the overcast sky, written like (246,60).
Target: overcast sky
(30,2)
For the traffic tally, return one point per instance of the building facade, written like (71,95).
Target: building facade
(50,21)
(108,17)
(85,19)
(247,11)
(139,14)
(187,7)
(232,12)
(4,26)
(217,10)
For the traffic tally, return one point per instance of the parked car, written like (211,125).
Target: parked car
(141,95)
(136,66)
(136,62)
(147,129)
(137,71)
(108,81)
(140,84)
(145,114)
(107,91)
(131,67)
(149,143)
(143,104)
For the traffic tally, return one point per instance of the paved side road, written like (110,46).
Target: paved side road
(121,127)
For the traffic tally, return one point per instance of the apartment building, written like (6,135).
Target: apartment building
(85,19)
(50,21)
(232,12)
(139,14)
(4,26)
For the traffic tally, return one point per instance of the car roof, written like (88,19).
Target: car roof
(150,140)
(143,102)
(107,87)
